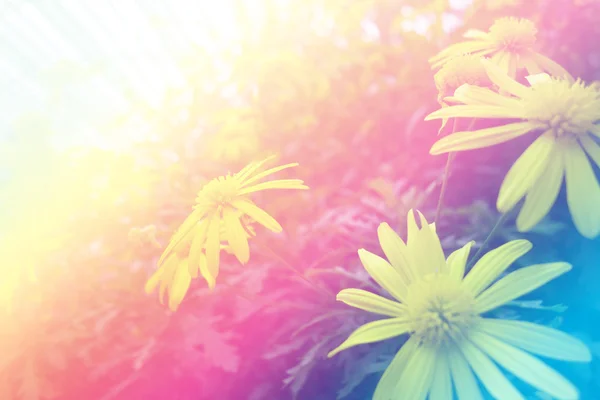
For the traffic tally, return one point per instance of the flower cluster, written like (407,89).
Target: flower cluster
(453,346)
(436,301)
(222,219)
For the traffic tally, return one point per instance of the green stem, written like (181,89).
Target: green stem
(446,176)
(438,209)
(289,266)
(486,242)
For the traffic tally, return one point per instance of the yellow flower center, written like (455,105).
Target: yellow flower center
(458,71)
(441,312)
(219,192)
(565,108)
(515,35)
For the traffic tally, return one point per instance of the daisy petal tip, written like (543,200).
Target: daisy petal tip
(522,242)
(421,216)
(431,117)
(585,355)
(383,225)
(590,234)
(211,285)
(502,206)
(565,267)
(436,150)
(580,352)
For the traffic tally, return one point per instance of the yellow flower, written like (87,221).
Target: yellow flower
(509,43)
(175,274)
(172,277)
(455,73)
(220,204)
(568,116)
(450,343)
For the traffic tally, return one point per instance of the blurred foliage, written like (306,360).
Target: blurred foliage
(340,87)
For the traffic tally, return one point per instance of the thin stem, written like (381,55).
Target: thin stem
(438,209)
(486,242)
(446,175)
(289,266)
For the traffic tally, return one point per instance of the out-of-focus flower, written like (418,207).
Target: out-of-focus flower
(458,71)
(174,276)
(455,73)
(218,215)
(236,138)
(450,343)
(566,113)
(509,43)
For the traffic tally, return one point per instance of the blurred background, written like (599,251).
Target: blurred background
(115,113)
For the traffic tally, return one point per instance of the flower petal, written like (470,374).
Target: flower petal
(480,138)
(502,60)
(471,94)
(197,246)
(475,111)
(203,267)
(252,168)
(476,34)
(535,79)
(489,374)
(374,332)
(543,193)
(583,191)
(518,283)
(552,67)
(525,172)
(530,65)
(503,81)
(441,386)
(268,172)
(417,377)
(424,247)
(591,147)
(153,281)
(179,286)
(493,263)
(464,381)
(526,367)
(384,274)
(396,252)
(274,184)
(371,302)
(165,277)
(386,388)
(188,224)
(457,261)
(257,214)
(595,130)
(213,250)
(236,235)
(470,47)
(537,339)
